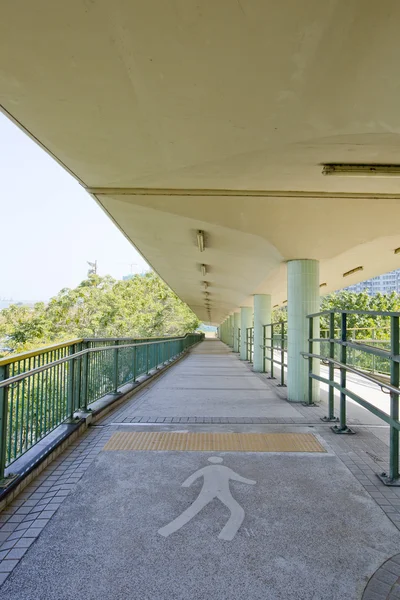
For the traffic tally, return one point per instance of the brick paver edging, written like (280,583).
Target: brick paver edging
(385,582)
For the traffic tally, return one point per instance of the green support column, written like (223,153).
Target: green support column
(224,332)
(246,318)
(262,316)
(236,327)
(230,322)
(303,299)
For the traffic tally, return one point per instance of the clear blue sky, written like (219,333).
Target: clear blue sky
(50,226)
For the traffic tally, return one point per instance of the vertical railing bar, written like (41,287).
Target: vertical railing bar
(263,348)
(282,354)
(4,374)
(10,409)
(331,370)
(310,360)
(272,351)
(14,432)
(342,428)
(394,400)
(21,434)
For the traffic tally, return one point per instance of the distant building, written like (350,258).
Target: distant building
(384,284)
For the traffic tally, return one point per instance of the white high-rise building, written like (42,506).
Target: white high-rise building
(386,283)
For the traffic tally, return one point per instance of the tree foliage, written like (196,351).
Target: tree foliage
(362,301)
(143,306)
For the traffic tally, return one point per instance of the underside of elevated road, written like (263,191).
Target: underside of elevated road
(208,484)
(187,116)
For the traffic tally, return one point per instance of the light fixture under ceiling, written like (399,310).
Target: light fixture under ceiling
(353,170)
(200,240)
(203,270)
(353,271)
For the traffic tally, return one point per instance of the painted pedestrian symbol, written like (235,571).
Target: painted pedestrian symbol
(215,485)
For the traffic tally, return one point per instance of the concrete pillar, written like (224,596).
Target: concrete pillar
(303,299)
(230,331)
(223,328)
(236,326)
(262,316)
(246,317)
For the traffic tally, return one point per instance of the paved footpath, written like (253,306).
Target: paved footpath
(112,523)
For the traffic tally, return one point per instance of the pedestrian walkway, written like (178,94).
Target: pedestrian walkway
(199,523)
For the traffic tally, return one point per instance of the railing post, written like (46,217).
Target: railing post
(282,383)
(263,349)
(272,352)
(373,356)
(77,393)
(393,477)
(343,373)
(71,384)
(85,377)
(331,390)
(310,360)
(115,369)
(3,420)
(147,359)
(134,363)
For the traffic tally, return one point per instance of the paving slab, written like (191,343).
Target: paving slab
(310,531)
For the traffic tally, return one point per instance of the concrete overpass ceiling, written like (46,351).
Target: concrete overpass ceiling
(244,97)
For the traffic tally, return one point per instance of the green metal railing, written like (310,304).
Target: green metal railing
(356,357)
(274,349)
(249,343)
(342,345)
(42,389)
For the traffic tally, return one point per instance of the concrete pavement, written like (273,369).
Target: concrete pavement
(316,526)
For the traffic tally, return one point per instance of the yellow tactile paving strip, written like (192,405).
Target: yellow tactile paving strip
(214,442)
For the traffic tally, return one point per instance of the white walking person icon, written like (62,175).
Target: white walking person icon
(216,485)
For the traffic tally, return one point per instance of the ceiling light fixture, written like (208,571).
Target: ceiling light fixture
(352,170)
(200,240)
(397,251)
(205,283)
(203,270)
(353,271)
(323,284)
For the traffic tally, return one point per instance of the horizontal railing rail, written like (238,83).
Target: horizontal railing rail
(341,346)
(249,343)
(40,391)
(275,348)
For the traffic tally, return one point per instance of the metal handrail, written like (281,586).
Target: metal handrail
(271,347)
(31,372)
(362,374)
(393,477)
(371,313)
(32,353)
(45,394)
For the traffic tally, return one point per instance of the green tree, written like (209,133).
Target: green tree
(143,306)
